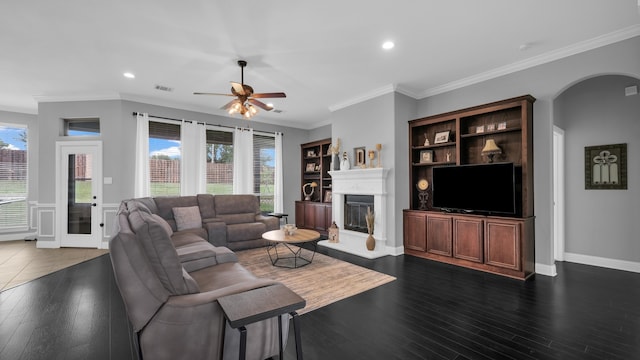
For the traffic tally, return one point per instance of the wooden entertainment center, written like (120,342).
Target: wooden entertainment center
(502,245)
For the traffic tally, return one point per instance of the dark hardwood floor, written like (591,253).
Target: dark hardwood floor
(432,311)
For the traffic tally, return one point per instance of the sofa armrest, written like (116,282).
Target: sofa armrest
(272,223)
(213,295)
(217,232)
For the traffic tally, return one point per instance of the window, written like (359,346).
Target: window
(219,162)
(164,158)
(13,177)
(82,127)
(264,150)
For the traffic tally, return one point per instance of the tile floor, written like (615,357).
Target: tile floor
(21,261)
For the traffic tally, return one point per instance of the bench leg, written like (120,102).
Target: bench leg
(243,342)
(296,331)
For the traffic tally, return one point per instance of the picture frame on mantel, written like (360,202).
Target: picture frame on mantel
(605,167)
(442,137)
(359,156)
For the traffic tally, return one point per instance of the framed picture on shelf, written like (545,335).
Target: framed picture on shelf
(491,127)
(426,156)
(479,129)
(441,137)
(327,196)
(359,156)
(502,125)
(311,153)
(311,167)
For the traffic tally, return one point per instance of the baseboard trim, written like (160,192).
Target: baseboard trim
(546,270)
(603,262)
(17,236)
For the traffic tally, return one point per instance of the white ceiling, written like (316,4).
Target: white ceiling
(325,55)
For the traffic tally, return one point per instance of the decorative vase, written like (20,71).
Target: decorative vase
(371,243)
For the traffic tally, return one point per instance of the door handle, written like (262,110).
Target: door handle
(94,204)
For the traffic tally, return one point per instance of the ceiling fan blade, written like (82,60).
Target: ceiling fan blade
(260,104)
(269,95)
(229,104)
(206,93)
(238,88)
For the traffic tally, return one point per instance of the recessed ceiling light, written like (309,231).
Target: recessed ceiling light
(129,75)
(388,45)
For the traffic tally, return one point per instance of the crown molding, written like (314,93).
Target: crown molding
(77,97)
(364,97)
(577,48)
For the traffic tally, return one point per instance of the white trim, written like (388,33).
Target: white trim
(364,97)
(558,193)
(33,213)
(78,97)
(577,48)
(53,223)
(547,270)
(603,262)
(19,236)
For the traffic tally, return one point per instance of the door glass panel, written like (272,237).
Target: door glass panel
(79,200)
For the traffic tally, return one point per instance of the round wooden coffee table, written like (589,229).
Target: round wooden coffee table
(291,254)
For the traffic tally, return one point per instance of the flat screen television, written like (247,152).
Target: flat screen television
(482,188)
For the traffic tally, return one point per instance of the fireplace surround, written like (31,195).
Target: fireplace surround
(370,182)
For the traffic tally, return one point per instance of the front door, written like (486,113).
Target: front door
(79,193)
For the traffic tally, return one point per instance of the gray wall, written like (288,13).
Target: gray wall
(545,82)
(118,129)
(601,223)
(366,124)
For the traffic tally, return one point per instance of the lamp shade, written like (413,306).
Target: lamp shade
(490,147)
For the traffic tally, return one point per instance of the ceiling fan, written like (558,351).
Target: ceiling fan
(245,102)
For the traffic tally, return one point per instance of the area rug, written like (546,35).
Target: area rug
(324,281)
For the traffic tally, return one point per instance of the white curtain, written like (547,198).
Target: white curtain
(142,181)
(278,191)
(243,161)
(193,167)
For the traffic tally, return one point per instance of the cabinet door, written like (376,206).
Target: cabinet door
(415,231)
(503,244)
(439,234)
(467,239)
(309,215)
(320,217)
(300,214)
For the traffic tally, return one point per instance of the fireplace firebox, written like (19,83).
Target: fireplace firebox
(355,210)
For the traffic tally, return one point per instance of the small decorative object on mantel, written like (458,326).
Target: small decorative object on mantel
(370,218)
(344,164)
(359,156)
(378,148)
(334,151)
(605,167)
(423,195)
(334,233)
(490,149)
(372,155)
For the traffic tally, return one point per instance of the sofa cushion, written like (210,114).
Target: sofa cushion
(165,225)
(187,217)
(231,219)
(248,231)
(186,237)
(146,204)
(159,249)
(206,204)
(166,204)
(236,204)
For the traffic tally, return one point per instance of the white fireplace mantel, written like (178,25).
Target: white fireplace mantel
(372,181)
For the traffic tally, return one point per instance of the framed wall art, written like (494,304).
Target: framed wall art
(359,156)
(605,167)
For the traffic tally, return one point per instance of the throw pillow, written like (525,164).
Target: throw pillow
(187,217)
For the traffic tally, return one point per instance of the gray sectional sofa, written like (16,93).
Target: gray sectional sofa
(171,272)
